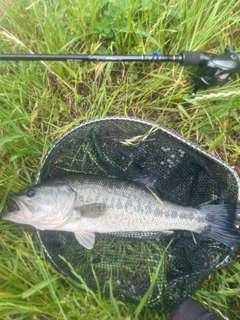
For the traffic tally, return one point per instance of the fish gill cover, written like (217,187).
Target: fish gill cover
(178,171)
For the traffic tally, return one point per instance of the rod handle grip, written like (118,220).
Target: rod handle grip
(191,58)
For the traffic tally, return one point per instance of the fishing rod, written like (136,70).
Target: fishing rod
(213,70)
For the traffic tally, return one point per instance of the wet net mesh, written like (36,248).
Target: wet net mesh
(180,172)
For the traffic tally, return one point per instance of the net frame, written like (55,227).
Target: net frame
(162,298)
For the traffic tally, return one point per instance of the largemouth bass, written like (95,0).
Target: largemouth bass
(88,204)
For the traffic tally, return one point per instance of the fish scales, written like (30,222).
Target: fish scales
(130,208)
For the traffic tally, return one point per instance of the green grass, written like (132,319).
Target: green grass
(40,101)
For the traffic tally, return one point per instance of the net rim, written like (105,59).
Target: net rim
(175,137)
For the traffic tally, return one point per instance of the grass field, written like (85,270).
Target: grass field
(39,101)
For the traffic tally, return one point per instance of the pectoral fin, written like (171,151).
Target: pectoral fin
(85,238)
(91,210)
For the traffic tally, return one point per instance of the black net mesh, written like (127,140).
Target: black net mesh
(178,171)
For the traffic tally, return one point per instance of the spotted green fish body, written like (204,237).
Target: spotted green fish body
(88,204)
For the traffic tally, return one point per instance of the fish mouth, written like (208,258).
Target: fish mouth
(12,209)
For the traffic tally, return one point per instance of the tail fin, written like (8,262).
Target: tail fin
(223,221)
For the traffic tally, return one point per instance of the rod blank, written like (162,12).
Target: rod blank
(89,57)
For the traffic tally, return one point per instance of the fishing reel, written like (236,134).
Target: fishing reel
(214,70)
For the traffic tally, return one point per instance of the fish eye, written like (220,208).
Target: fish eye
(31,193)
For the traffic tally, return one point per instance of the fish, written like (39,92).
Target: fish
(89,204)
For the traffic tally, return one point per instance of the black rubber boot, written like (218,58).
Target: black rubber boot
(191,310)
